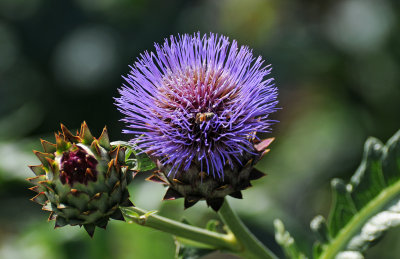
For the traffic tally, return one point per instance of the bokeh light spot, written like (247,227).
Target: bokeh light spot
(85,58)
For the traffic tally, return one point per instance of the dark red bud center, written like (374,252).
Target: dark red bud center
(78,166)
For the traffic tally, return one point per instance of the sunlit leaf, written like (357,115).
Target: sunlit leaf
(362,210)
(369,205)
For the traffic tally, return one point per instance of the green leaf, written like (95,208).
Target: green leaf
(368,181)
(375,227)
(362,210)
(343,208)
(368,205)
(391,160)
(143,162)
(135,158)
(130,214)
(286,241)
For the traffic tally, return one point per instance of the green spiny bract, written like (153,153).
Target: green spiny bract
(194,184)
(82,180)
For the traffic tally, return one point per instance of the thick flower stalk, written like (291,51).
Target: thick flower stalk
(82,180)
(196,106)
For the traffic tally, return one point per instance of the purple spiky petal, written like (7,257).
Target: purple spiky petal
(198,99)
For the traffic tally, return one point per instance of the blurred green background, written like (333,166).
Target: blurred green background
(336,64)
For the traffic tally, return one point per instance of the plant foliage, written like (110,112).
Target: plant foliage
(363,209)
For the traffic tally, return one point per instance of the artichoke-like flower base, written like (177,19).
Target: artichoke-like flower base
(194,184)
(82,180)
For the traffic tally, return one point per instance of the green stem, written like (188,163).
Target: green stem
(356,223)
(213,239)
(251,247)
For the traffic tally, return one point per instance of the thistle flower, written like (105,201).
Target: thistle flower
(195,106)
(82,180)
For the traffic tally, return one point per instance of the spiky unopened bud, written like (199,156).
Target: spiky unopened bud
(82,180)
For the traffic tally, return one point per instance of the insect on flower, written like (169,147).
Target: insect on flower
(196,103)
(204,117)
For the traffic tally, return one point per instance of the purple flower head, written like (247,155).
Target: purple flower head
(198,99)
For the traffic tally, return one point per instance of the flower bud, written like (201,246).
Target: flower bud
(81,180)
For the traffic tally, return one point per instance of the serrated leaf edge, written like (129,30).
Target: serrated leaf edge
(372,208)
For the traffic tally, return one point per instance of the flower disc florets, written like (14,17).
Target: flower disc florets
(78,166)
(198,100)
